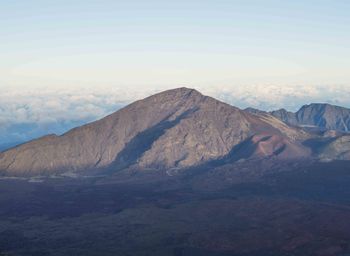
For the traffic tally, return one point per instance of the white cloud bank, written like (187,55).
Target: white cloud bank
(26,114)
(271,97)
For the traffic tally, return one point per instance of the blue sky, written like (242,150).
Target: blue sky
(170,43)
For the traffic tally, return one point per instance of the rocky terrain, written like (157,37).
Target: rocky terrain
(173,129)
(177,129)
(251,208)
(181,174)
(318,116)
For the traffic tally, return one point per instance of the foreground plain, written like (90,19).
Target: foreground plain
(303,209)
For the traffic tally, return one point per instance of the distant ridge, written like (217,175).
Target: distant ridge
(318,115)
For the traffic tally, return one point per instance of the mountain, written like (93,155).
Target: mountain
(322,116)
(179,173)
(286,116)
(266,145)
(337,148)
(177,128)
(12,134)
(255,111)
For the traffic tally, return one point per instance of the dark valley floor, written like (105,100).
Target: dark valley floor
(302,210)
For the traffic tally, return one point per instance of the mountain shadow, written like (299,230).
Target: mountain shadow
(143,142)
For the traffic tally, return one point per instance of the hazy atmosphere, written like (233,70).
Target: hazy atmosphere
(170,43)
(64,63)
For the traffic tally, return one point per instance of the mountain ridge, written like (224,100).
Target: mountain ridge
(178,128)
(321,116)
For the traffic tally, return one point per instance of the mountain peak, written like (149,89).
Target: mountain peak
(176,128)
(178,93)
(183,89)
(118,139)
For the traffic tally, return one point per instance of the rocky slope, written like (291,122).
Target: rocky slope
(323,116)
(174,129)
(337,148)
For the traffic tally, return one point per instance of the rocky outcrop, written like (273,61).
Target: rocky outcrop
(337,148)
(322,116)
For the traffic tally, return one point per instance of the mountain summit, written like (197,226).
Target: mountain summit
(177,128)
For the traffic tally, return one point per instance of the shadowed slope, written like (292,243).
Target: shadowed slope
(97,144)
(174,129)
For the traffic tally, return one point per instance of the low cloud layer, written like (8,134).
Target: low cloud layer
(272,97)
(27,114)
